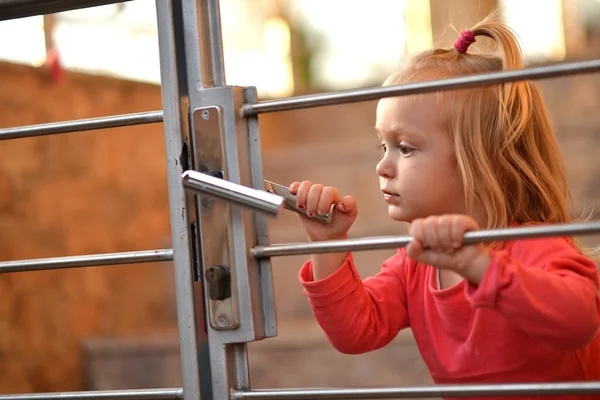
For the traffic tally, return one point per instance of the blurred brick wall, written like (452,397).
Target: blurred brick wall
(89,192)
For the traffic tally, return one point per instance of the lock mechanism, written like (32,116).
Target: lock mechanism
(219,282)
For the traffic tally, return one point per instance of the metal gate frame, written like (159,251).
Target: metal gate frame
(219,210)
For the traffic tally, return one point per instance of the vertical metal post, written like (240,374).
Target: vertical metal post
(211,239)
(211,42)
(193,338)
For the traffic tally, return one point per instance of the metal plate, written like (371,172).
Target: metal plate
(213,214)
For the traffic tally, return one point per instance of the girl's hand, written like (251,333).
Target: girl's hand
(437,241)
(317,199)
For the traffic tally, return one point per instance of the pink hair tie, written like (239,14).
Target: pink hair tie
(463,42)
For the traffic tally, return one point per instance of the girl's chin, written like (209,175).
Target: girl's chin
(400,214)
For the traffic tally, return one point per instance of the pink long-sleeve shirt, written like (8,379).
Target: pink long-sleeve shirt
(534,317)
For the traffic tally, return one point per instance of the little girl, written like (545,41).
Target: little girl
(455,161)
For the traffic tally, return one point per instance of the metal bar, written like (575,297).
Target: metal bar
(81,125)
(12,9)
(263,266)
(194,355)
(137,394)
(390,242)
(459,82)
(445,391)
(211,49)
(220,189)
(91,260)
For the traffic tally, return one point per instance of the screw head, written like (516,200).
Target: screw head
(222,321)
(205,114)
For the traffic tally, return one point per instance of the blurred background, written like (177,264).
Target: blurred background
(105,191)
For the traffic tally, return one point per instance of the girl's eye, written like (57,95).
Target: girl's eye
(405,150)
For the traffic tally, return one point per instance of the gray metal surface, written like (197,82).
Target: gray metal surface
(81,125)
(11,9)
(390,242)
(261,230)
(88,260)
(211,39)
(249,283)
(195,359)
(139,394)
(445,391)
(224,190)
(228,232)
(460,82)
(214,215)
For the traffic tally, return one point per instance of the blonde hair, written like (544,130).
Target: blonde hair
(507,156)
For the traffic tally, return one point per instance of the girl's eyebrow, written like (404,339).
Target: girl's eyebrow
(399,133)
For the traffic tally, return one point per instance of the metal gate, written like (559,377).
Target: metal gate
(221,252)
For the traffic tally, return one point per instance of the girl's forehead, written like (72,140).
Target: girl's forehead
(409,107)
(410,114)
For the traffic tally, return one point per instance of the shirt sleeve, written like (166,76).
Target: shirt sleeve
(544,287)
(359,315)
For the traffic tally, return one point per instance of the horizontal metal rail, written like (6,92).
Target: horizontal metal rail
(11,9)
(445,391)
(391,242)
(90,260)
(459,82)
(80,125)
(138,394)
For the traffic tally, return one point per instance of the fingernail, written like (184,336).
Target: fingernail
(300,206)
(310,215)
(343,206)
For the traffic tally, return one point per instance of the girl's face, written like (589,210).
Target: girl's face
(418,173)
